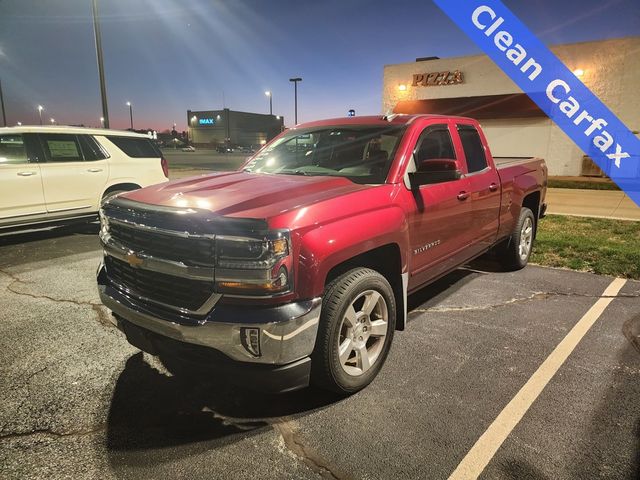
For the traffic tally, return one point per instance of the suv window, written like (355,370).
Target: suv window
(91,149)
(60,147)
(12,150)
(136,147)
(473,148)
(434,145)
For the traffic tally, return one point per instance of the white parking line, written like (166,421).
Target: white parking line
(487,445)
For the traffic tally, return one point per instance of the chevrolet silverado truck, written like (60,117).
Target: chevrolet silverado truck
(295,269)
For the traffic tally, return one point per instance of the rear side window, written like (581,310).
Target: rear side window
(136,147)
(12,150)
(473,149)
(61,148)
(91,149)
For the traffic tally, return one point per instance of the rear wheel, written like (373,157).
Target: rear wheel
(517,250)
(355,333)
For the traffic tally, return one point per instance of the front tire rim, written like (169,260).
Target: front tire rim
(362,333)
(526,238)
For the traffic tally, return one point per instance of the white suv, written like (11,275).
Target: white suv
(61,174)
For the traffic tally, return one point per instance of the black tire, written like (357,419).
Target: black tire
(327,370)
(512,255)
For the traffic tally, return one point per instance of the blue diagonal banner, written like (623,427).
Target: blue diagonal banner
(552,86)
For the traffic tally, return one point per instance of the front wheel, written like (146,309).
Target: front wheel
(355,332)
(517,250)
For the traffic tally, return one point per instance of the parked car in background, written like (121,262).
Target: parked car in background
(62,174)
(297,268)
(224,149)
(189,148)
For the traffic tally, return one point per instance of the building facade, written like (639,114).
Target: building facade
(476,87)
(228,127)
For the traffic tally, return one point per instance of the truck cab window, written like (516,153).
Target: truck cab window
(473,149)
(434,151)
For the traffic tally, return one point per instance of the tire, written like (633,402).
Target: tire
(517,249)
(354,308)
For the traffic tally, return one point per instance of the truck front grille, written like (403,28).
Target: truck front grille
(158,287)
(199,251)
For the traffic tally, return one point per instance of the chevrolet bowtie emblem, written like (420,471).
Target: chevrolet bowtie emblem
(134,260)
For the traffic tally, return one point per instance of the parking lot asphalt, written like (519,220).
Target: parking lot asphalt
(79,402)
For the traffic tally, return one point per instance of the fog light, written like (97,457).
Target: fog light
(250,338)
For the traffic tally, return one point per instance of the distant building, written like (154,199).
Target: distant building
(474,86)
(219,127)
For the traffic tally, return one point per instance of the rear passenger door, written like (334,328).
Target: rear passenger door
(484,187)
(21,196)
(74,173)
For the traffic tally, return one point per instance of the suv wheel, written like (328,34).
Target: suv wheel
(355,332)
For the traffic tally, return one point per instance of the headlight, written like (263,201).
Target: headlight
(254,266)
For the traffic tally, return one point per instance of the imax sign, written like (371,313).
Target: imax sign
(206,121)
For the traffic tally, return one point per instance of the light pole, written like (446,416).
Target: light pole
(4,115)
(53,121)
(40,108)
(268,94)
(130,113)
(102,122)
(295,97)
(98,40)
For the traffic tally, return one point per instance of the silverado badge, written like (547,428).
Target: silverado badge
(134,260)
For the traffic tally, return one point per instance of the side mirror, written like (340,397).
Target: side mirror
(437,170)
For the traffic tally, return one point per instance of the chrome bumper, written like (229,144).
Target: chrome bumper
(287,332)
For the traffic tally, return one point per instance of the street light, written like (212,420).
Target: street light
(4,115)
(295,96)
(53,121)
(130,113)
(268,94)
(102,122)
(40,108)
(19,124)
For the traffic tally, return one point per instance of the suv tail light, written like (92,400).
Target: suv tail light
(165,166)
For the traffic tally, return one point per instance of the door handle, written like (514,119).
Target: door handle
(463,196)
(94,170)
(493,187)
(26,174)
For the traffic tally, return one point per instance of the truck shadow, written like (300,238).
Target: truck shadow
(155,417)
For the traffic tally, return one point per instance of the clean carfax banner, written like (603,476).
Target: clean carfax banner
(553,87)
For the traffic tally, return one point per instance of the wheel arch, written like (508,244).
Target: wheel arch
(126,186)
(386,260)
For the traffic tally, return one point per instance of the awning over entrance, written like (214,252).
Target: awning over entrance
(514,105)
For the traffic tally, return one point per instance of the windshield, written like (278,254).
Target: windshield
(361,153)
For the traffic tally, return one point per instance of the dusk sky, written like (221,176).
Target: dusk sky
(167,56)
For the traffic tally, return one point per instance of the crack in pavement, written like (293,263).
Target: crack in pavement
(533,297)
(52,433)
(293,442)
(98,308)
(290,437)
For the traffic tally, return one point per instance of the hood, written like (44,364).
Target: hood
(244,194)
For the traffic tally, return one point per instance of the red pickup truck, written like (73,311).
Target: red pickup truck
(296,268)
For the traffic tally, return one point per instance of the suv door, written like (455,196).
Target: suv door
(440,224)
(72,176)
(484,187)
(21,195)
